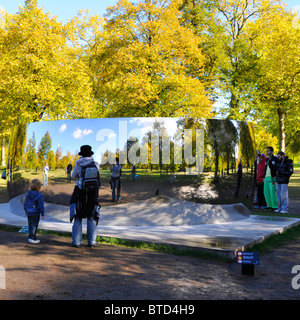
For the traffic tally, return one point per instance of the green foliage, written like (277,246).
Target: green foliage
(44,147)
(137,72)
(153,58)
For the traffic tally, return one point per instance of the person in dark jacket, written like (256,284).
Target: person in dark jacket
(115,181)
(34,208)
(284,169)
(88,205)
(270,180)
(69,172)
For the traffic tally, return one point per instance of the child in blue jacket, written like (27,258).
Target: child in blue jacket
(34,207)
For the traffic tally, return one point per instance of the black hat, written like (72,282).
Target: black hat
(86,151)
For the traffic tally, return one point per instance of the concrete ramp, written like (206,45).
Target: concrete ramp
(165,211)
(156,211)
(221,229)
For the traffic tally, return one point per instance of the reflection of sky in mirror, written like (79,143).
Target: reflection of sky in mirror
(101,134)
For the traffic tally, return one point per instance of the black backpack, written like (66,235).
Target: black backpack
(88,189)
(90,177)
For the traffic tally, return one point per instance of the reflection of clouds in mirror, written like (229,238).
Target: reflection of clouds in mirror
(62,128)
(146,124)
(70,134)
(78,133)
(122,135)
(208,149)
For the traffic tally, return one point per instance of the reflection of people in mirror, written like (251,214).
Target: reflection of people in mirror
(69,172)
(46,171)
(115,181)
(133,173)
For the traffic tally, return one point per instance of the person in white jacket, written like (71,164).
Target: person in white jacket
(46,172)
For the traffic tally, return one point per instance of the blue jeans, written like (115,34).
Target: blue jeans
(77,231)
(33,223)
(115,184)
(282,197)
(45,180)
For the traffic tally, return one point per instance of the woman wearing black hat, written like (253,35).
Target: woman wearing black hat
(85,160)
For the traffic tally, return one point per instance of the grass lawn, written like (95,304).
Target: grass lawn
(144,175)
(294,185)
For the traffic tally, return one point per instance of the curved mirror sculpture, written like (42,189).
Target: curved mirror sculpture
(200,160)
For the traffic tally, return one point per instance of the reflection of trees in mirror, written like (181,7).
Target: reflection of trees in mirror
(164,150)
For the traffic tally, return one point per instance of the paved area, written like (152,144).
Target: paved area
(222,229)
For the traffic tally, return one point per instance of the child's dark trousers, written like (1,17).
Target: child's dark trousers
(33,223)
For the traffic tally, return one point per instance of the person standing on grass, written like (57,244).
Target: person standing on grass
(69,172)
(46,171)
(34,208)
(115,181)
(261,202)
(284,169)
(270,192)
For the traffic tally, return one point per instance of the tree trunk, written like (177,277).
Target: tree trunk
(234,104)
(281,119)
(3,153)
(216,178)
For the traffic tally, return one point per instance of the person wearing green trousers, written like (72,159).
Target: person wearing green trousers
(270,192)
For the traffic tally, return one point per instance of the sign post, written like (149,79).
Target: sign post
(248,260)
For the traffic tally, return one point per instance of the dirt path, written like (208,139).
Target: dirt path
(55,270)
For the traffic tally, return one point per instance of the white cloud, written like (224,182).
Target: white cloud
(112,135)
(62,128)
(296,8)
(296,19)
(86,132)
(78,133)
(147,124)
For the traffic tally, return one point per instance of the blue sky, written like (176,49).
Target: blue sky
(63,9)
(67,9)
(101,134)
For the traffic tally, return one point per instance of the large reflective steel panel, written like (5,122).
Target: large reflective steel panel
(200,160)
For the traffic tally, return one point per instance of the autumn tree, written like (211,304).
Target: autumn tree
(41,76)
(58,156)
(31,152)
(17,144)
(278,46)
(44,148)
(264,138)
(240,80)
(51,159)
(145,63)
(246,143)
(231,60)
(202,17)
